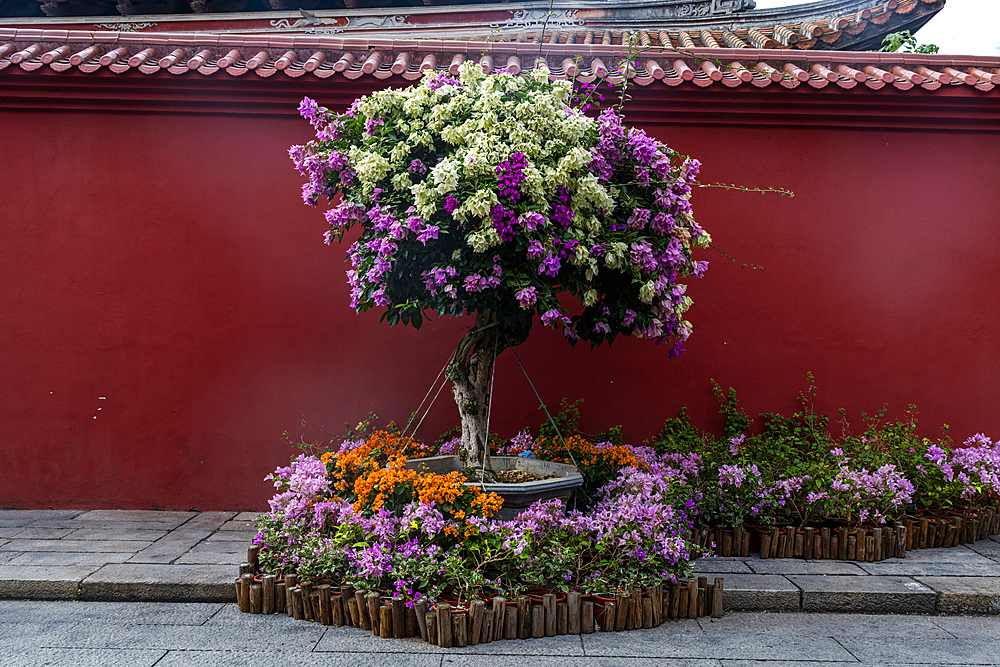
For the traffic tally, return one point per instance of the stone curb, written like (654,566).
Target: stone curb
(155,591)
(141,582)
(743,593)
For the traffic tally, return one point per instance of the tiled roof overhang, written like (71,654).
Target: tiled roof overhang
(266,75)
(840,25)
(263,56)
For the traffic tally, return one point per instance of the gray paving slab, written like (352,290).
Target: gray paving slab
(683,625)
(163,583)
(78,546)
(210,520)
(793,566)
(42,583)
(294,637)
(272,658)
(171,518)
(14,523)
(3,542)
(232,557)
(882,649)
(99,524)
(759,592)
(220,547)
(34,533)
(502,660)
(871,595)
(54,613)
(957,554)
(18,632)
(31,515)
(965,595)
(7,556)
(354,640)
(247,516)
(986,548)
(812,663)
(718,566)
(245,536)
(6,532)
(177,543)
(168,549)
(808,623)
(239,524)
(784,663)
(38,657)
(111,534)
(361,641)
(963,569)
(660,643)
(970,628)
(48,558)
(562,646)
(231,616)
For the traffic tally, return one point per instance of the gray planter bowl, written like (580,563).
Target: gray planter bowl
(516,497)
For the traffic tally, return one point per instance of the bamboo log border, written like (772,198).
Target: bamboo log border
(870,544)
(642,608)
(492,620)
(482,622)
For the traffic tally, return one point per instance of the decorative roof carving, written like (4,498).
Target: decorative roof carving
(821,25)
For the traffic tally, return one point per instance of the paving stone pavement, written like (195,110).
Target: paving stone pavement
(156,634)
(161,556)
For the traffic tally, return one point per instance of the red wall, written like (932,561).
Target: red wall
(158,272)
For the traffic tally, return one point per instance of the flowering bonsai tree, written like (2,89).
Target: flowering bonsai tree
(493,196)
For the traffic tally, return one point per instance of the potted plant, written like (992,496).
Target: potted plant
(493,196)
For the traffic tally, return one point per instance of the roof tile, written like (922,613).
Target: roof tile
(355,44)
(305,42)
(353,58)
(27,35)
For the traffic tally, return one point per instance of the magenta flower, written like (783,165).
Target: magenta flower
(527,297)
(551,317)
(549,266)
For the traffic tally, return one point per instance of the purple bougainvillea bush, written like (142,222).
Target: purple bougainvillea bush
(493,196)
(640,525)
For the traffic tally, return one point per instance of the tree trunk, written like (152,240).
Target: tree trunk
(469,372)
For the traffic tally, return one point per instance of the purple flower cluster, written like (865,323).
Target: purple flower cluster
(526,297)
(559,212)
(973,468)
(510,175)
(438,79)
(505,222)
(300,484)
(439,279)
(859,495)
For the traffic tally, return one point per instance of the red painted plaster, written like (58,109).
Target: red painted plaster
(159,273)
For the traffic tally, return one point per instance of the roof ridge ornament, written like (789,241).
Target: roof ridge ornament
(732,6)
(706,8)
(537,19)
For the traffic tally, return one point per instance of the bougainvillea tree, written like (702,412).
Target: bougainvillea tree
(493,196)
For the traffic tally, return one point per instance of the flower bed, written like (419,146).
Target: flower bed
(355,537)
